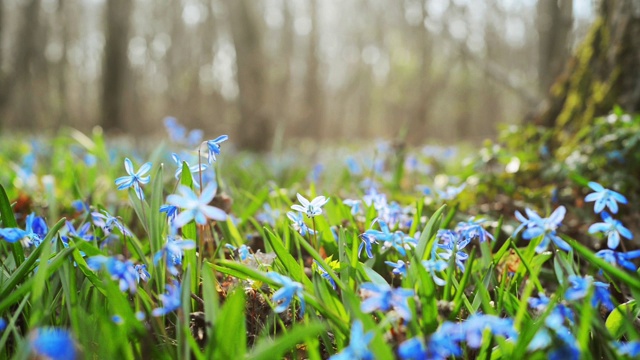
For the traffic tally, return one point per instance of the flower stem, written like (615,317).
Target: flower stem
(315,235)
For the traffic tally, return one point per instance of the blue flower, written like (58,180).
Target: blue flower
(123,271)
(367,240)
(384,298)
(12,235)
(604,198)
(243,251)
(355,205)
(214,147)
(143,274)
(310,208)
(619,258)
(285,294)
(82,233)
(134,179)
(108,222)
(193,169)
(358,345)
(399,268)
(536,226)
(473,229)
(631,348)
(601,295)
(171,211)
(442,344)
(52,343)
(298,223)
(578,287)
(195,208)
(3,324)
(476,324)
(178,133)
(451,192)
(612,228)
(173,251)
(170,301)
(450,242)
(435,265)
(268,215)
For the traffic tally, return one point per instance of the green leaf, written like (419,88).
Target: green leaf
(9,221)
(156,223)
(428,232)
(268,349)
(621,318)
(231,334)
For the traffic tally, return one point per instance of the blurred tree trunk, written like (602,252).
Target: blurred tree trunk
(604,71)
(419,117)
(313,116)
(554,22)
(115,64)
(25,49)
(255,130)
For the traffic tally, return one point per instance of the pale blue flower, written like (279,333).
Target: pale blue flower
(285,294)
(193,169)
(355,205)
(435,265)
(171,301)
(399,267)
(214,147)
(325,275)
(52,344)
(298,223)
(604,198)
(473,229)
(310,208)
(384,298)
(358,348)
(475,325)
(107,222)
(195,207)
(630,348)
(134,179)
(612,229)
(536,226)
(124,272)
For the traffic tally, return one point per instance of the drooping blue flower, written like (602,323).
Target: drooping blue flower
(214,147)
(195,207)
(619,258)
(35,231)
(3,324)
(143,274)
(401,242)
(578,287)
(435,265)
(399,268)
(536,226)
(124,272)
(384,298)
(325,275)
(171,211)
(451,244)
(193,169)
(358,348)
(298,223)
(310,208)
(243,251)
(604,198)
(612,229)
(107,222)
(601,295)
(285,294)
(475,325)
(367,240)
(134,179)
(52,343)
(171,301)
(173,251)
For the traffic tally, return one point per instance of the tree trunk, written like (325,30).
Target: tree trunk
(115,65)
(604,72)
(255,130)
(313,116)
(554,22)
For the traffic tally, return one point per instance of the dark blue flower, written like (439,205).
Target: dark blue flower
(367,240)
(83,233)
(3,324)
(134,179)
(619,258)
(170,210)
(384,298)
(52,343)
(358,348)
(325,275)
(285,294)
(604,198)
(12,235)
(631,348)
(612,229)
(171,301)
(214,147)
